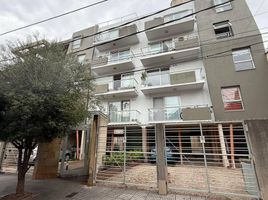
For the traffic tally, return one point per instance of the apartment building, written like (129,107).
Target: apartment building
(200,75)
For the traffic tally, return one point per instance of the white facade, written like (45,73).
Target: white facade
(193,94)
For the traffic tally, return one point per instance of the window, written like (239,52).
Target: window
(177,15)
(162,46)
(223,7)
(81,58)
(157,77)
(119,111)
(109,35)
(166,108)
(232,100)
(223,29)
(243,59)
(77,42)
(115,56)
(123,81)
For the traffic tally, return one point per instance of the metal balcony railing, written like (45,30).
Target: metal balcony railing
(125,116)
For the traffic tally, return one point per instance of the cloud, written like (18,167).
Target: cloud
(16,13)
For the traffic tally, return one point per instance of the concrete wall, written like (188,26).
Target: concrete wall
(48,155)
(85,43)
(220,70)
(258,135)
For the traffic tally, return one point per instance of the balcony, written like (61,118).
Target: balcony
(124,117)
(180,49)
(168,83)
(104,40)
(180,114)
(120,88)
(109,64)
(169,29)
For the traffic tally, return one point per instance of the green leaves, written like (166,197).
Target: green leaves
(43,92)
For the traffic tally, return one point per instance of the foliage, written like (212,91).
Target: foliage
(43,93)
(117,158)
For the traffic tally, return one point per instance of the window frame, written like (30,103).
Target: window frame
(77,39)
(223,24)
(232,101)
(79,56)
(243,61)
(224,7)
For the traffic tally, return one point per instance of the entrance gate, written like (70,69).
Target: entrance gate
(208,157)
(212,158)
(125,155)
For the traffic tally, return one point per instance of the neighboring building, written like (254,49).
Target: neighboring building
(202,76)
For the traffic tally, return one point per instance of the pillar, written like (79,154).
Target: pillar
(2,153)
(223,147)
(82,146)
(162,174)
(47,161)
(144,143)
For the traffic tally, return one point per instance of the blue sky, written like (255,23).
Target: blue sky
(16,13)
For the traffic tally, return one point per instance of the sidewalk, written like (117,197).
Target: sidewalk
(58,189)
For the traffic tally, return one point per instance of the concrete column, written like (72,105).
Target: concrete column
(162,174)
(223,147)
(144,143)
(2,153)
(82,146)
(92,150)
(47,161)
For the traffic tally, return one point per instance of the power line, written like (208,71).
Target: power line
(138,32)
(51,18)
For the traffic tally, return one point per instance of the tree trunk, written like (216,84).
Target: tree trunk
(23,166)
(21,182)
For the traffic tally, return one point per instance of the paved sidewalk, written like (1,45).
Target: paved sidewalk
(58,189)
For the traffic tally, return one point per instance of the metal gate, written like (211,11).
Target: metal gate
(126,155)
(213,158)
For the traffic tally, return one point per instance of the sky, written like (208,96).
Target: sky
(16,13)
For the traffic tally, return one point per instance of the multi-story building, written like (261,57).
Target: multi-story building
(201,75)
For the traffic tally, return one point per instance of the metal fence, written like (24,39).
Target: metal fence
(210,157)
(125,155)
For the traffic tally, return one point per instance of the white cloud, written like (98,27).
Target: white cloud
(16,13)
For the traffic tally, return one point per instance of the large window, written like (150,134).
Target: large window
(243,59)
(157,77)
(223,29)
(166,108)
(232,99)
(162,46)
(77,42)
(119,111)
(223,7)
(116,56)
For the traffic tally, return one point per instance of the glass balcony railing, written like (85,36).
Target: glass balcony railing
(157,80)
(107,36)
(165,114)
(131,116)
(122,84)
(168,45)
(119,57)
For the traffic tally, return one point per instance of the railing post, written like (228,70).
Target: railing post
(202,140)
(125,152)
(162,174)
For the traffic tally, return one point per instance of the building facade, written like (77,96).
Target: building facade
(199,69)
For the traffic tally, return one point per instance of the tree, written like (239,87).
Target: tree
(43,92)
